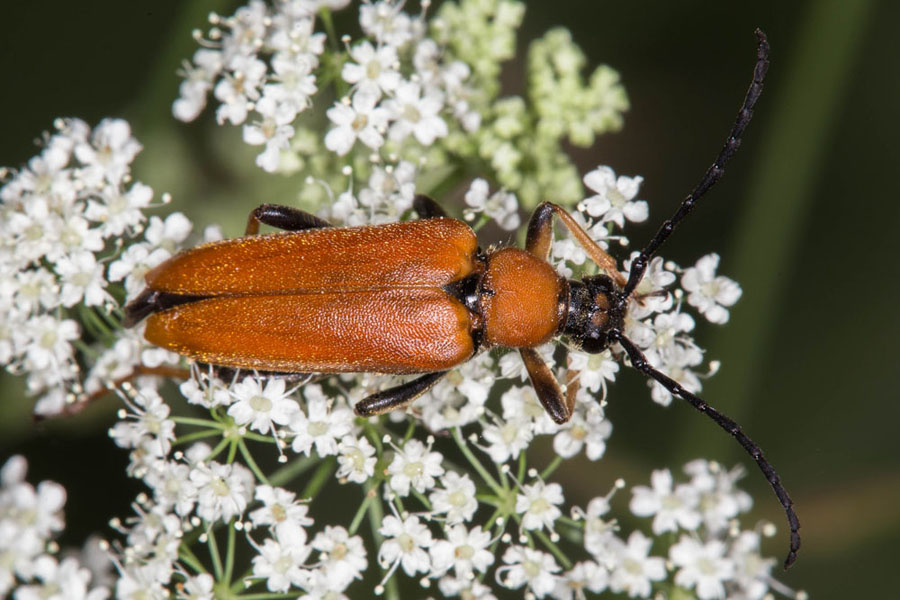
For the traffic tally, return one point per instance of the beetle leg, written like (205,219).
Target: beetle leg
(398,396)
(282,217)
(540,238)
(427,208)
(546,386)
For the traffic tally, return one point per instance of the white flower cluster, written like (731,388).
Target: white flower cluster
(59,217)
(459,508)
(29,520)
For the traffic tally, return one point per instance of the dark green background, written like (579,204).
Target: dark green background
(805,220)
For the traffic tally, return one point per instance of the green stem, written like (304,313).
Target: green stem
(198,422)
(464,448)
(371,494)
(229,553)
(376,516)
(197,435)
(554,549)
(187,556)
(554,464)
(214,553)
(319,478)
(293,469)
(248,456)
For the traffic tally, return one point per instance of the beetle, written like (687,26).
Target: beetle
(415,297)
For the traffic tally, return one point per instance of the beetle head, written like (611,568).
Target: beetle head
(596,307)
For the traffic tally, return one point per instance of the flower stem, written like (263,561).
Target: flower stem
(248,456)
(464,448)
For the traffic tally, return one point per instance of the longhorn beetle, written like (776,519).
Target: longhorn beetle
(412,297)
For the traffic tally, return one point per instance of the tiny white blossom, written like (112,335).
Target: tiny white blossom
(82,278)
(709,293)
(456,498)
(416,466)
(465,551)
(416,112)
(360,119)
(319,425)
(703,566)
(373,69)
(614,201)
(670,509)
(279,506)
(406,542)
(528,566)
(280,560)
(538,505)
(502,206)
(223,491)
(262,407)
(635,569)
(356,459)
(343,557)
(584,576)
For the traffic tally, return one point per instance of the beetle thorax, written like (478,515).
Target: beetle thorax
(523,300)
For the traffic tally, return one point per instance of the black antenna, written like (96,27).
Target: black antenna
(639,362)
(713,173)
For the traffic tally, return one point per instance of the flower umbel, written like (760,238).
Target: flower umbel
(449,494)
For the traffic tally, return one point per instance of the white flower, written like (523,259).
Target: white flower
(280,560)
(386,22)
(416,113)
(357,119)
(373,69)
(672,509)
(614,201)
(502,206)
(584,576)
(108,154)
(709,293)
(172,486)
(343,557)
(279,507)
(82,277)
(507,439)
(223,491)
(356,459)
(466,551)
(598,532)
(587,428)
(537,504)
(414,465)
(634,567)
(45,341)
(702,565)
(66,580)
(118,212)
(262,407)
(528,566)
(319,426)
(239,88)
(752,572)
(720,499)
(406,543)
(456,499)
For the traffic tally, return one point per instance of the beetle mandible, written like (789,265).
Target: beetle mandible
(416,297)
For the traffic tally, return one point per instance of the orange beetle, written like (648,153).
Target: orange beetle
(415,297)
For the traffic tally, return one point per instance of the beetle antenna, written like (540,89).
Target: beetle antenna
(639,362)
(714,172)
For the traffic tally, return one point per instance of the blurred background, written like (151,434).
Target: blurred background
(806,220)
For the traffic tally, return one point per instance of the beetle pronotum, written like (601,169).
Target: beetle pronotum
(416,297)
